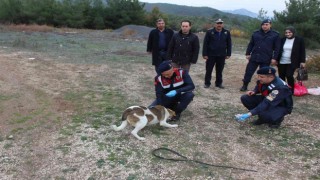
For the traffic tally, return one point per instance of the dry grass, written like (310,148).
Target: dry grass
(56,109)
(31,28)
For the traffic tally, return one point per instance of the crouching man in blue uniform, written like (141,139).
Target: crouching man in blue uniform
(271,99)
(173,88)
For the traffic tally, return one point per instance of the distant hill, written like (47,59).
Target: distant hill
(242,11)
(181,10)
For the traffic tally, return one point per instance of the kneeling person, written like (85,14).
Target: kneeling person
(173,88)
(271,99)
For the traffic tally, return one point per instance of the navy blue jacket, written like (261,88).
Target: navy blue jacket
(264,46)
(215,44)
(184,49)
(153,44)
(277,93)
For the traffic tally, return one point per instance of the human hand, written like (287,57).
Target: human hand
(248,57)
(274,62)
(242,117)
(250,93)
(171,93)
(227,57)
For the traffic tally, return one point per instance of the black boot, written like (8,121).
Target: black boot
(276,124)
(244,86)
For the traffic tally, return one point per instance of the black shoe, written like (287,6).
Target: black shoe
(244,88)
(276,124)
(206,86)
(258,122)
(220,86)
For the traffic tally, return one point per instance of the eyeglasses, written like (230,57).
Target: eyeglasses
(219,23)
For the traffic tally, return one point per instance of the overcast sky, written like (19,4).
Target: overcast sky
(251,5)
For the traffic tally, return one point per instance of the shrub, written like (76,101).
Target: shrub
(313,63)
(237,33)
(31,28)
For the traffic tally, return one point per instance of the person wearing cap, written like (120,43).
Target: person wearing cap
(271,99)
(263,50)
(158,42)
(216,49)
(292,55)
(184,47)
(173,88)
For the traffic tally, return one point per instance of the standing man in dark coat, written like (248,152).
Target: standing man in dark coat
(184,47)
(216,49)
(263,50)
(158,42)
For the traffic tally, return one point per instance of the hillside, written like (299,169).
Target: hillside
(242,11)
(193,11)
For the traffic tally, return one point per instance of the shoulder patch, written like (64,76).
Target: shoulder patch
(272,95)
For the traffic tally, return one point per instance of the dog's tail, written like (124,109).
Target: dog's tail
(122,126)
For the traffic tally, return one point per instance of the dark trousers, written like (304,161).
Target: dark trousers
(219,61)
(162,57)
(251,68)
(177,103)
(286,72)
(271,115)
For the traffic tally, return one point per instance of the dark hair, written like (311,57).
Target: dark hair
(291,28)
(159,20)
(186,21)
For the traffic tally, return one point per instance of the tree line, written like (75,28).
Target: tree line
(304,15)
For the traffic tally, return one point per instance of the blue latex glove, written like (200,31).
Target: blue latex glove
(242,117)
(171,93)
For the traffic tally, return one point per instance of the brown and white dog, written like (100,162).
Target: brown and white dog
(140,116)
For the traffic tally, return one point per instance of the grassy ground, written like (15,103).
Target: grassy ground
(61,90)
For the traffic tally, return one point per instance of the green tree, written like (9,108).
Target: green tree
(155,14)
(10,11)
(123,12)
(42,13)
(304,16)
(96,15)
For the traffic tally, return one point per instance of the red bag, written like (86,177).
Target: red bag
(299,89)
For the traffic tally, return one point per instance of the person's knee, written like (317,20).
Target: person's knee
(244,98)
(188,96)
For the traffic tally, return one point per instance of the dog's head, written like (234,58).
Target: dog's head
(165,111)
(171,113)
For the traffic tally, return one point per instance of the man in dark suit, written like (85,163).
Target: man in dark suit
(158,41)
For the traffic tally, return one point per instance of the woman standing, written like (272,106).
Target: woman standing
(292,55)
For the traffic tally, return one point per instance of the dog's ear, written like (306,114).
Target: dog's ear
(172,113)
(159,107)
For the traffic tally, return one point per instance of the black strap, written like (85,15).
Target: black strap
(183,158)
